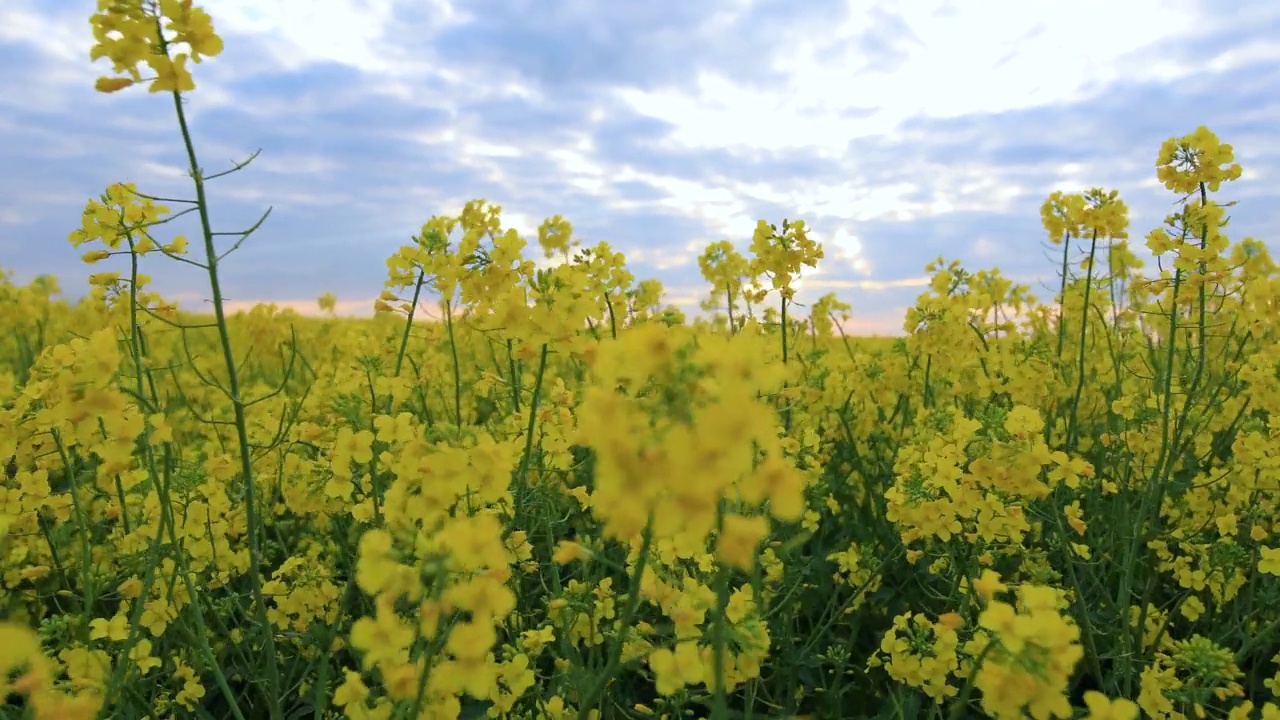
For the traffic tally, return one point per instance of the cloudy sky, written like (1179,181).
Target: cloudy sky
(899,131)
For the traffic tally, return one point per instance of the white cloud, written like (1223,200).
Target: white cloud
(983,57)
(65,38)
(172,172)
(350,32)
(724,211)
(487,149)
(985,247)
(842,253)
(9,216)
(834,284)
(663,258)
(1237,57)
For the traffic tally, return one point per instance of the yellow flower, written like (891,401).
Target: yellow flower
(116,629)
(555,235)
(131,588)
(475,542)
(471,640)
(674,670)
(1103,708)
(19,646)
(86,669)
(1193,608)
(352,691)
(177,247)
(533,641)
(1023,420)
(192,688)
(110,85)
(161,431)
(384,638)
(1270,561)
(1001,619)
(142,657)
(568,551)
(738,542)
(784,486)
(400,681)
(156,615)
(989,584)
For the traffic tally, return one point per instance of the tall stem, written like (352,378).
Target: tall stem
(1062,295)
(786,408)
(457,369)
(271,660)
(1084,330)
(728,298)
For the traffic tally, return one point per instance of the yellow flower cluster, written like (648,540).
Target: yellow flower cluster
(532,490)
(133,32)
(922,654)
(1030,656)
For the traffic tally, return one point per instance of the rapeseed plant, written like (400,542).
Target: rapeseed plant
(548,496)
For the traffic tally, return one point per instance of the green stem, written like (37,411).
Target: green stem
(408,325)
(784,329)
(720,633)
(1062,294)
(270,660)
(1151,498)
(613,323)
(1073,424)
(728,299)
(786,407)
(1256,640)
(624,624)
(962,702)
(515,376)
(533,414)
(87,576)
(457,369)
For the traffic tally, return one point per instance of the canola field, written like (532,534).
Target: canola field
(523,492)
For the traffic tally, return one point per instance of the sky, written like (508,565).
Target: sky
(898,131)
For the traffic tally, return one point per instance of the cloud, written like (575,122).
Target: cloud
(899,132)
(913,282)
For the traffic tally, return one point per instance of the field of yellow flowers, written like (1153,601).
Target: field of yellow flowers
(539,493)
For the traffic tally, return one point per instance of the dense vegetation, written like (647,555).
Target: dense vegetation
(556,497)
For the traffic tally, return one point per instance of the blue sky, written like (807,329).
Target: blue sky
(898,131)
